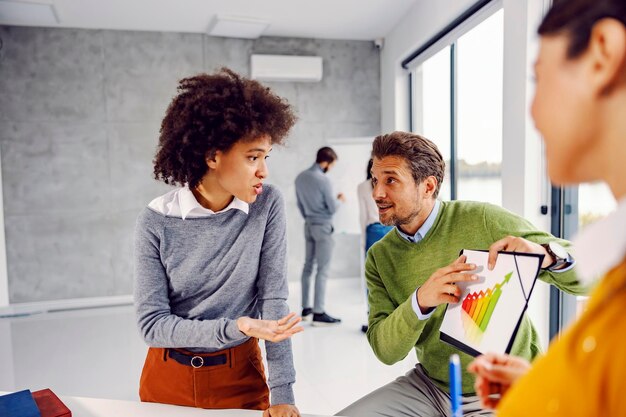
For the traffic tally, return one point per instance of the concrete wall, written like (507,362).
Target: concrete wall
(79,117)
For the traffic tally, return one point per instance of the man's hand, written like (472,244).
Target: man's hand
(272,330)
(440,288)
(341,197)
(282,410)
(517,244)
(495,374)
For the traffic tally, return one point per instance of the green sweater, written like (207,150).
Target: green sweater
(396,267)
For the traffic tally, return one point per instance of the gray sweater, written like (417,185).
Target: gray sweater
(195,277)
(315,197)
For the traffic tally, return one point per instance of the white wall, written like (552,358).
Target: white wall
(81,121)
(4,276)
(7,367)
(423,21)
(524,188)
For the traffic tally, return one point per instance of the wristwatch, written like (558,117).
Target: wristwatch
(558,253)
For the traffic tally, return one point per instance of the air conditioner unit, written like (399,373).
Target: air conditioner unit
(286,68)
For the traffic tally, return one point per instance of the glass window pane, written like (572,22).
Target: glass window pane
(595,201)
(479,80)
(431,106)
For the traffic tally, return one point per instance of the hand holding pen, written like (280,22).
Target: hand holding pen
(495,374)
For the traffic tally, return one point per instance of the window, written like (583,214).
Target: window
(576,208)
(456,101)
(479,143)
(594,202)
(431,108)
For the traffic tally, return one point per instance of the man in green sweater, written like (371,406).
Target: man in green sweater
(411,275)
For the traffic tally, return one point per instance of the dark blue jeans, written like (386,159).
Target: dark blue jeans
(373,233)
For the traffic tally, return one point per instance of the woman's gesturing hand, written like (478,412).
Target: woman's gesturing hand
(272,330)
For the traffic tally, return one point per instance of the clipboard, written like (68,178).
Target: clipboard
(490,310)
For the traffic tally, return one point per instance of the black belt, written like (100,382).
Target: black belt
(197,361)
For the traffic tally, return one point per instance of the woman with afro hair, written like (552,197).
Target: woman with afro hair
(210,255)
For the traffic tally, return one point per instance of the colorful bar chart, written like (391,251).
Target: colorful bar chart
(478,308)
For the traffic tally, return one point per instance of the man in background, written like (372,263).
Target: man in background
(317,204)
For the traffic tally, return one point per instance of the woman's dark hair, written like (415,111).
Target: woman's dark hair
(576,19)
(370,163)
(211,113)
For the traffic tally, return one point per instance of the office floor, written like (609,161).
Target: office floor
(99,353)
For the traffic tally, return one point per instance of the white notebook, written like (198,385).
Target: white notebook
(490,310)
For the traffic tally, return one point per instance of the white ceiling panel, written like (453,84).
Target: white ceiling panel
(330,19)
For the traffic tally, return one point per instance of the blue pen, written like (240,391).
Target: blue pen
(455,385)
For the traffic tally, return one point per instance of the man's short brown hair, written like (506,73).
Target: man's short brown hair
(422,155)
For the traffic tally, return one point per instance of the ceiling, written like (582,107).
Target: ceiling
(329,19)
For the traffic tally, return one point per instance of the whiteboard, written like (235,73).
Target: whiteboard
(349,170)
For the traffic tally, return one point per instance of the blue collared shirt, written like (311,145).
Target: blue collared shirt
(417,237)
(428,224)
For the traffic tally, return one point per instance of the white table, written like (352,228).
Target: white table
(98,407)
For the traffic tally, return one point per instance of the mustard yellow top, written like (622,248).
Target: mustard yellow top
(584,371)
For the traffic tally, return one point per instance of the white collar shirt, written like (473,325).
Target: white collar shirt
(183,204)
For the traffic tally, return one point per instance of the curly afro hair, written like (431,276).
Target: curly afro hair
(211,113)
